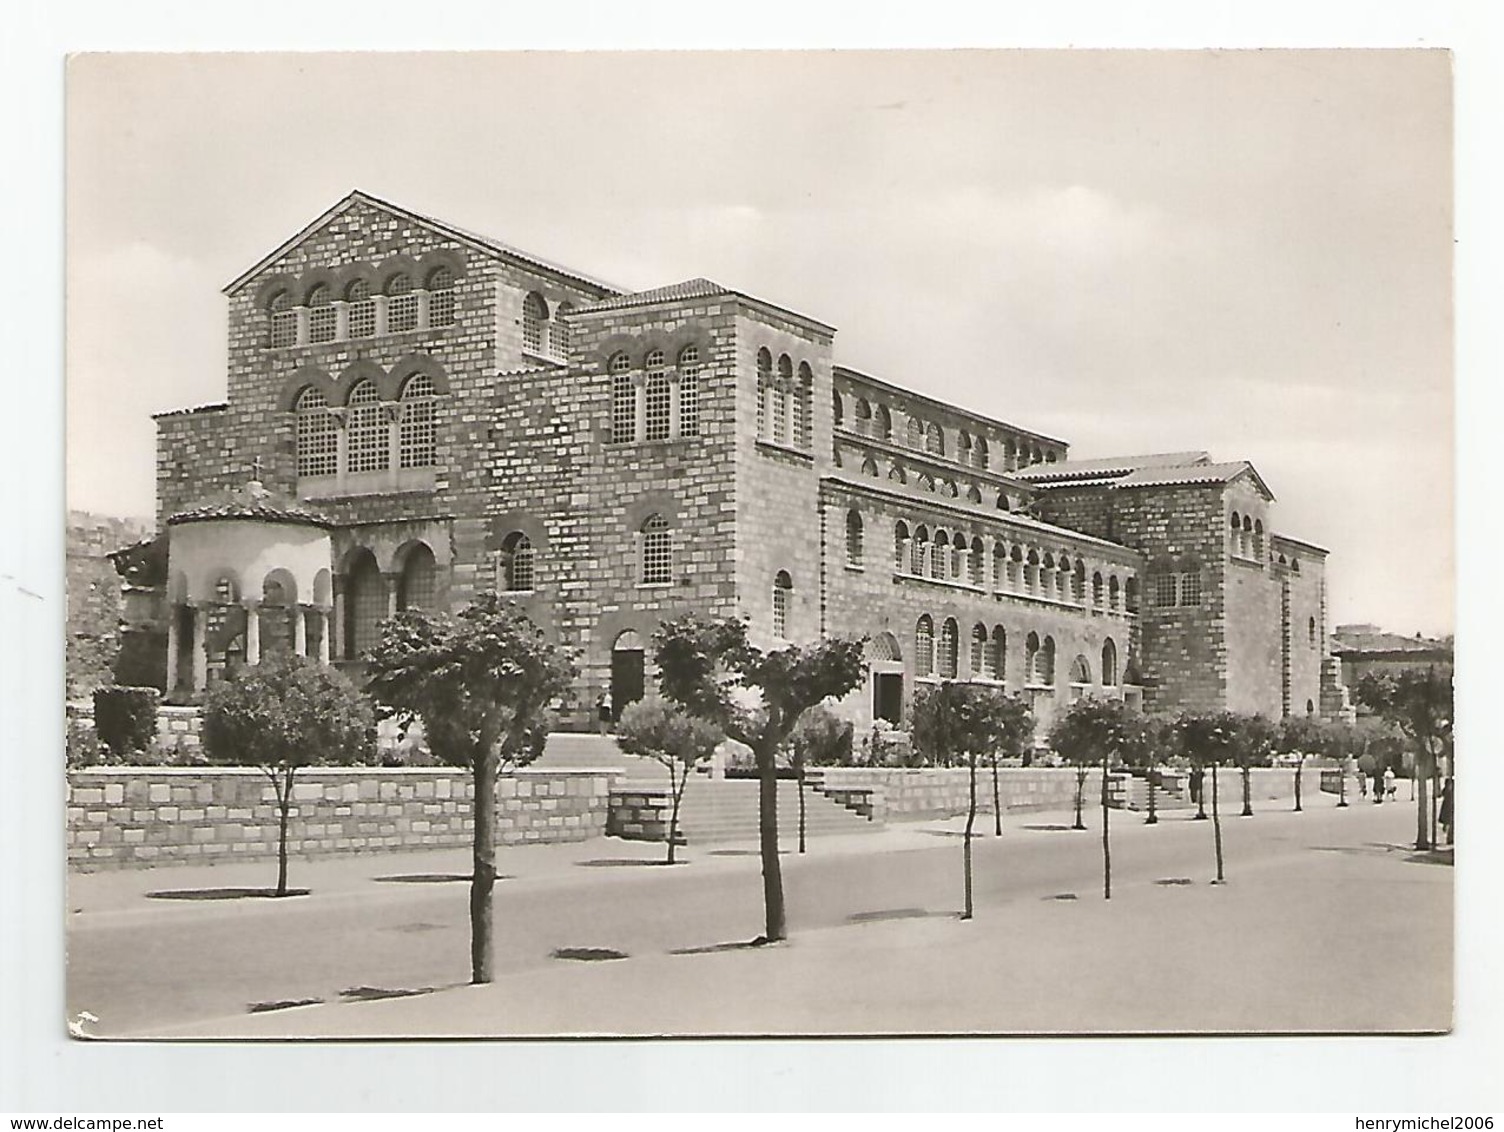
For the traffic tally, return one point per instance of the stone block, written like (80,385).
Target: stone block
(114,793)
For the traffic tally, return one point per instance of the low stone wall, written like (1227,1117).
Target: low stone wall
(640,814)
(1266,785)
(124,816)
(928,792)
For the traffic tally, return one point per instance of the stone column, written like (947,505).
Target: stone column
(341,320)
(325,625)
(252,632)
(200,649)
(335,625)
(380,302)
(172,646)
(639,406)
(299,630)
(393,584)
(673,403)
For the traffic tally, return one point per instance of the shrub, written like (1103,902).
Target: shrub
(126,720)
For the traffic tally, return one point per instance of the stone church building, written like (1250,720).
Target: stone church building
(416,413)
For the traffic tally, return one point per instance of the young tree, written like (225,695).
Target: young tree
(966,721)
(703,664)
(1208,741)
(669,735)
(280,715)
(1103,732)
(482,681)
(1015,739)
(1147,756)
(820,738)
(1419,702)
(1300,736)
(1255,743)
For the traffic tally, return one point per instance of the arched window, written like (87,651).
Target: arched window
(924,646)
(283,319)
(517,563)
(360,309)
(764,393)
(979,651)
(783,402)
(950,643)
(863,417)
(977,563)
(1294,565)
(320,314)
(940,556)
(1051,456)
(869,467)
(415,589)
(1109,664)
(1031,659)
(919,551)
(1130,595)
(318,437)
(401,304)
(558,331)
(926,482)
(900,546)
(963,446)
(416,432)
(934,440)
(1002,501)
(837,411)
(1080,671)
(974,494)
(1046,659)
(623,400)
(1258,539)
(1311,631)
(657,552)
(783,598)
(689,391)
(804,391)
(365,605)
(948,489)
(979,453)
(656,400)
(997,655)
(1078,583)
(915,433)
(853,538)
(897,474)
(534,324)
(441,297)
(1096,589)
(368,440)
(1112,592)
(1010,455)
(882,423)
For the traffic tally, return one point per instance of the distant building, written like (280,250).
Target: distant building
(1362,649)
(96,604)
(423,413)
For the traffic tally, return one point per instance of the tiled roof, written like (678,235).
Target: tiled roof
(1381,642)
(253,501)
(1107,466)
(1187,474)
(689,289)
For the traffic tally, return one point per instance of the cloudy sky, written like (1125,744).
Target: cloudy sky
(1243,252)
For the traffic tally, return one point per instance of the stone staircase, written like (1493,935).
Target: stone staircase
(1171,794)
(721,810)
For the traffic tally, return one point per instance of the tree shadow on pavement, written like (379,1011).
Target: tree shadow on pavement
(281,1004)
(893,914)
(588,954)
(713,948)
(374,994)
(1050,828)
(626,862)
(223,894)
(428,878)
(1412,856)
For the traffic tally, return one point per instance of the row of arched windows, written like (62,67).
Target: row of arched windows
(356,311)
(873,419)
(783,401)
(944,487)
(1246,538)
(924,552)
(657,402)
(545,334)
(368,600)
(985,652)
(367,435)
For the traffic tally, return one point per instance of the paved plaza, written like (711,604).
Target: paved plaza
(1329,922)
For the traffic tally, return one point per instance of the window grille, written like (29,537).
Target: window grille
(657,552)
(558,332)
(1190,589)
(783,592)
(318,437)
(1164,590)
(401,305)
(365,606)
(997,655)
(803,407)
(534,320)
(517,555)
(915,433)
(950,634)
(853,538)
(780,415)
(320,315)
(623,401)
(416,432)
(934,440)
(924,646)
(656,414)
(284,320)
(361,310)
(441,297)
(368,437)
(689,391)
(1109,664)
(419,580)
(979,650)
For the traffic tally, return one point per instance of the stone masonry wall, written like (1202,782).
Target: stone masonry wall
(935,792)
(137,816)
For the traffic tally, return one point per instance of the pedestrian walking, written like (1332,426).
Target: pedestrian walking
(1362,783)
(1389,782)
(1445,816)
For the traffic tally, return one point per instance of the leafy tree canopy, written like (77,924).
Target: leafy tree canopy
(287,712)
(664,731)
(963,720)
(1418,700)
(1095,728)
(821,738)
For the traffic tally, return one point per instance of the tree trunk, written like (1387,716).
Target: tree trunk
(1299,763)
(801,805)
(1106,845)
(284,807)
(483,875)
(1153,780)
(1200,794)
(676,791)
(1422,825)
(997,803)
(1247,793)
(775,926)
(1342,784)
(971,817)
(1080,790)
(1217,824)
(1435,797)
